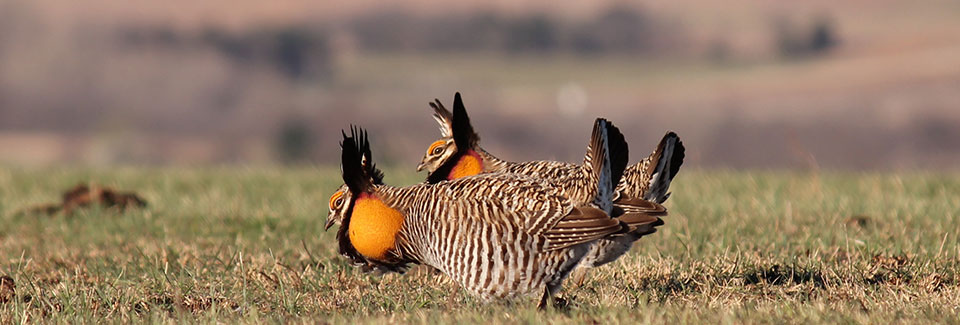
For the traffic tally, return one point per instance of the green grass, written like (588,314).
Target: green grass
(247,245)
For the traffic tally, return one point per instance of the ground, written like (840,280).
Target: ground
(247,245)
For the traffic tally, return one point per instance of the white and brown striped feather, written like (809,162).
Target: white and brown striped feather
(498,235)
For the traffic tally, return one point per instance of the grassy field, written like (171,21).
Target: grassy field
(247,245)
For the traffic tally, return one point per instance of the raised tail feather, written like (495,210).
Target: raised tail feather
(664,166)
(606,159)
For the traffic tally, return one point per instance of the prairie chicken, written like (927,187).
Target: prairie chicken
(649,179)
(497,235)
(83,196)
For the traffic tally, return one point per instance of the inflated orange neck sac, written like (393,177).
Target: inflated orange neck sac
(373,226)
(469,164)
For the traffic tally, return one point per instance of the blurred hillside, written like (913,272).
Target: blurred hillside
(746,83)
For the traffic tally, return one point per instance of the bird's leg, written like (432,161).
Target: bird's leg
(545,299)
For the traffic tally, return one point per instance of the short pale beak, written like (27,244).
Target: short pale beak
(422,165)
(329,224)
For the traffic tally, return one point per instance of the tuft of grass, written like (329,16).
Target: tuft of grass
(247,245)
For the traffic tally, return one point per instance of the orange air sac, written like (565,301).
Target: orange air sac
(373,226)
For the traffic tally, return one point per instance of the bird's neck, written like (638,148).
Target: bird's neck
(470,163)
(374,226)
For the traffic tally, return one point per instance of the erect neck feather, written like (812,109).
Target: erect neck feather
(470,163)
(374,226)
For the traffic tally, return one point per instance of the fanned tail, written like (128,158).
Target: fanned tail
(606,160)
(664,165)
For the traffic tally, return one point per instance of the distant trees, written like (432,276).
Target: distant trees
(304,52)
(296,52)
(797,41)
(617,30)
(536,33)
(824,36)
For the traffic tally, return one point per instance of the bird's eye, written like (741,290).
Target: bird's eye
(336,200)
(437,151)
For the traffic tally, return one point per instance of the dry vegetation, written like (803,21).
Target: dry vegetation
(247,245)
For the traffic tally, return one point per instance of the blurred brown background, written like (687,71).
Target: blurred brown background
(746,83)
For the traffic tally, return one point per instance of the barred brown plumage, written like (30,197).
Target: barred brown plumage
(649,179)
(497,235)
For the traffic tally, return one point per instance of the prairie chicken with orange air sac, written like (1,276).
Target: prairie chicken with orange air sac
(458,154)
(649,179)
(497,235)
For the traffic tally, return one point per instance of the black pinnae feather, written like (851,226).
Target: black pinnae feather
(370,168)
(350,163)
(355,173)
(363,144)
(376,176)
(463,134)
